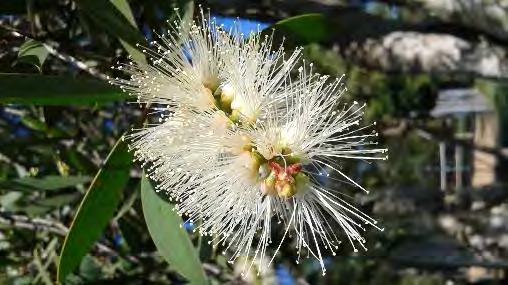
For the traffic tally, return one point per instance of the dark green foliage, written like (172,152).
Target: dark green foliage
(75,209)
(56,90)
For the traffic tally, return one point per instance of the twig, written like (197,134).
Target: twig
(211,269)
(58,54)
(42,268)
(34,224)
(75,62)
(39,224)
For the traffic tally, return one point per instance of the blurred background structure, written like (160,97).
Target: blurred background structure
(434,74)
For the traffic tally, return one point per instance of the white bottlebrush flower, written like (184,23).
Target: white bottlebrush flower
(191,82)
(279,175)
(185,69)
(316,134)
(239,144)
(256,74)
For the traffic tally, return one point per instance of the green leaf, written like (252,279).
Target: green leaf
(58,200)
(171,240)
(318,28)
(46,183)
(96,209)
(41,206)
(39,125)
(90,269)
(8,200)
(302,29)
(79,161)
(115,18)
(32,52)
(34,124)
(56,90)
(125,9)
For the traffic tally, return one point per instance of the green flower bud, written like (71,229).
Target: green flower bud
(235,116)
(268,185)
(301,182)
(285,189)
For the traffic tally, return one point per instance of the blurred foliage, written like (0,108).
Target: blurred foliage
(68,211)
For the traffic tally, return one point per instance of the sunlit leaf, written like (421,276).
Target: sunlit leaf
(96,209)
(34,123)
(32,52)
(171,240)
(9,199)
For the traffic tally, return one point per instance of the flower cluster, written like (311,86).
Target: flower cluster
(245,136)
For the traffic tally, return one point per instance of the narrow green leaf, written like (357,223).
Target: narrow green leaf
(32,52)
(302,29)
(34,123)
(41,206)
(58,200)
(171,240)
(46,183)
(318,28)
(115,18)
(96,209)
(79,161)
(125,9)
(56,90)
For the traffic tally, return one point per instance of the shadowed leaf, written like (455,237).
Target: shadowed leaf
(96,209)
(300,30)
(115,18)
(55,90)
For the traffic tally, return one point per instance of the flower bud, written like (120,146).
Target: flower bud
(285,189)
(227,96)
(211,84)
(205,99)
(301,182)
(235,116)
(264,171)
(268,185)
